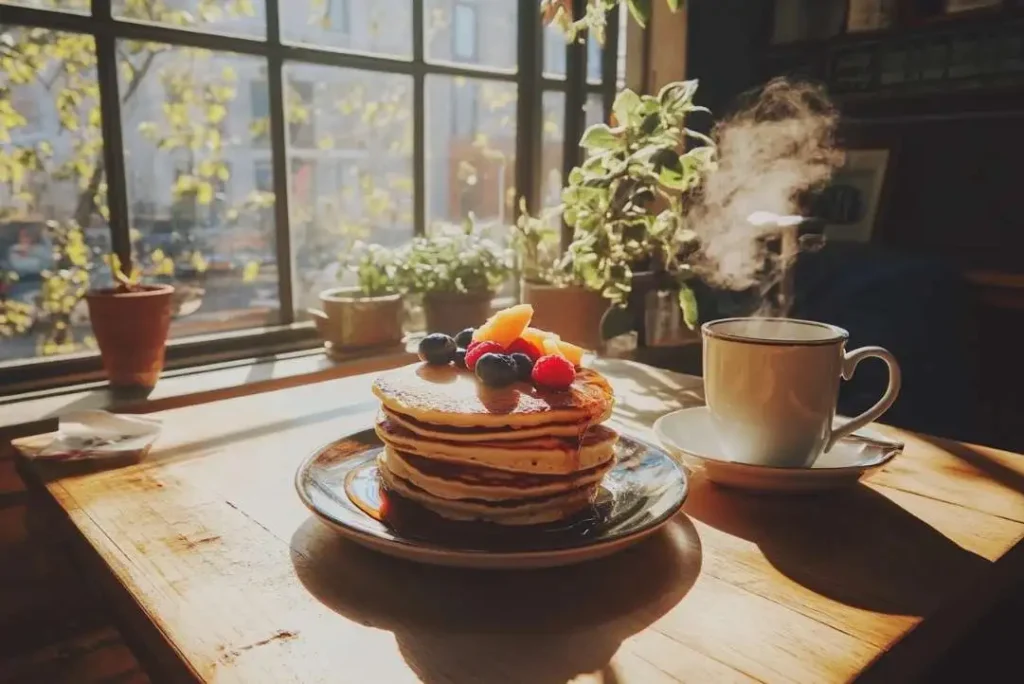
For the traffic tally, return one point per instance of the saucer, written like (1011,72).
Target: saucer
(339,483)
(689,434)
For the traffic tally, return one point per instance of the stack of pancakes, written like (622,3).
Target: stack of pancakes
(514,455)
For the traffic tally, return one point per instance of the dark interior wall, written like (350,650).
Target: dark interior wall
(725,44)
(954,185)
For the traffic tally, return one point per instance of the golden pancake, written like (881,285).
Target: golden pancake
(491,434)
(446,395)
(527,511)
(550,455)
(459,481)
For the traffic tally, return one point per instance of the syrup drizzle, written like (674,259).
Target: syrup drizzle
(365,490)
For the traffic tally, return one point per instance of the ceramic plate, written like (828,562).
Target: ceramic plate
(339,483)
(690,435)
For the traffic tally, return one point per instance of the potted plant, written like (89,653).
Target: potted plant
(626,202)
(546,284)
(130,322)
(369,314)
(457,271)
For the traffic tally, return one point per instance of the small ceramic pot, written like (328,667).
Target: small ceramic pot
(131,331)
(450,312)
(349,320)
(572,313)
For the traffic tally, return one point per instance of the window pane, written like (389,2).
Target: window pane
(471,139)
(350,165)
(593,111)
(201,206)
(53,233)
(240,17)
(378,26)
(620,59)
(481,32)
(554,55)
(552,156)
(77,6)
(554,51)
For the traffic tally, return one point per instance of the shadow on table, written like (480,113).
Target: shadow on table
(1002,474)
(541,626)
(854,546)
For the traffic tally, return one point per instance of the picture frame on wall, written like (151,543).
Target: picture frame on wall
(849,205)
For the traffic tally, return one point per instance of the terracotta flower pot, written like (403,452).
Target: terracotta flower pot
(451,312)
(348,320)
(572,313)
(131,330)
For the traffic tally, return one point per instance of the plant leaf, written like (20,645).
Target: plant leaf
(674,5)
(641,11)
(688,305)
(625,103)
(599,137)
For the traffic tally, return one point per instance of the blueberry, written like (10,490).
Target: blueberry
(524,366)
(464,338)
(460,357)
(437,349)
(496,370)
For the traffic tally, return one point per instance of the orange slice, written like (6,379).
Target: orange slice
(505,326)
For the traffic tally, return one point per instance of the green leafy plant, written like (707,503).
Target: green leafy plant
(536,241)
(559,13)
(379,271)
(626,202)
(453,259)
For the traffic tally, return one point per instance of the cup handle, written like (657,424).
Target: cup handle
(319,320)
(850,361)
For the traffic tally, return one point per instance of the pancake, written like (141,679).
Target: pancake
(458,481)
(540,455)
(525,511)
(475,434)
(449,396)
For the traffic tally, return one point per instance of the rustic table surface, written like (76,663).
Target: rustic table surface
(219,573)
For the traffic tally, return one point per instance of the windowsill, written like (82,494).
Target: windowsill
(197,385)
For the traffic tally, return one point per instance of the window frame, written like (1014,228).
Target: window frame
(105,28)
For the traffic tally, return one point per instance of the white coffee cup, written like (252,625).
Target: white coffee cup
(771,386)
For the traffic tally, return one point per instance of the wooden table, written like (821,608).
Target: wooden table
(219,572)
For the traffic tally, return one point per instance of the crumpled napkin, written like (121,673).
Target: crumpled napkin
(92,434)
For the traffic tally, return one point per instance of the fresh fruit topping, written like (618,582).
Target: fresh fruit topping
(524,366)
(460,357)
(505,325)
(521,346)
(536,337)
(553,372)
(437,349)
(472,344)
(479,349)
(464,338)
(551,347)
(496,370)
(570,351)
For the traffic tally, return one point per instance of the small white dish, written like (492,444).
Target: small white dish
(92,434)
(690,435)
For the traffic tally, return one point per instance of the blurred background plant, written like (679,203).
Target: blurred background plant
(454,259)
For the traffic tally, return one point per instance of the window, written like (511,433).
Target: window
(464,33)
(374,143)
(337,16)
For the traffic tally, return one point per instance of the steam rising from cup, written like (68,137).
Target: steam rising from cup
(778,146)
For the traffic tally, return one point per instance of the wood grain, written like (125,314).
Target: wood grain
(206,543)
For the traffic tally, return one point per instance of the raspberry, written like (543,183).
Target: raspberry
(472,344)
(479,349)
(521,346)
(553,372)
